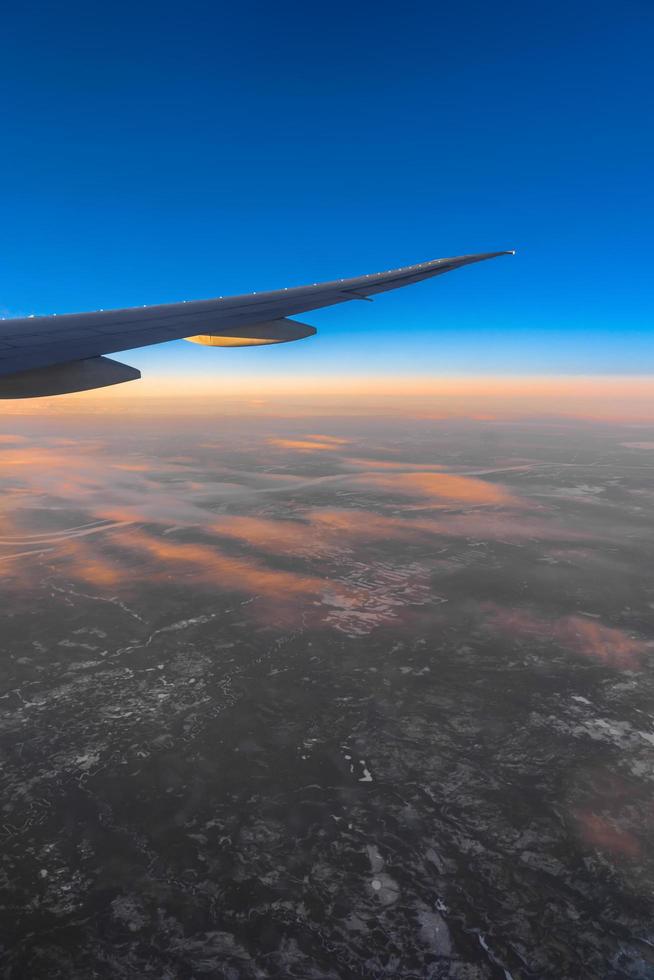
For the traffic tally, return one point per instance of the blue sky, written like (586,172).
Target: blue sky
(156,152)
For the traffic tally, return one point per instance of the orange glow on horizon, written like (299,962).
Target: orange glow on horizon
(611,398)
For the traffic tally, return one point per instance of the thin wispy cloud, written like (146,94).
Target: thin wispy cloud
(310,444)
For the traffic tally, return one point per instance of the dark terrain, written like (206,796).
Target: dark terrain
(334,699)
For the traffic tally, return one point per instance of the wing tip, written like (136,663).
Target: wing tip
(493,255)
(474,257)
(483,256)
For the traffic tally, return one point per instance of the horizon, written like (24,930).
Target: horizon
(610,398)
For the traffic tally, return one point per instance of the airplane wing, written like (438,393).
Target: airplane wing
(48,355)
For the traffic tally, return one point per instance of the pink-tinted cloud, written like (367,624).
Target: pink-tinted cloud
(603,832)
(335,440)
(586,637)
(209,565)
(319,531)
(439,487)
(310,444)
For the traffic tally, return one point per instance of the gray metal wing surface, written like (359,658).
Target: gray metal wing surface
(32,347)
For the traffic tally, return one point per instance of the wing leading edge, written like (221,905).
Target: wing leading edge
(30,344)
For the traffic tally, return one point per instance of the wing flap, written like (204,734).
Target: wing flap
(257,334)
(62,379)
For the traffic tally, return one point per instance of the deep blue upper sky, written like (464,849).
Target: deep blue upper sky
(156,152)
